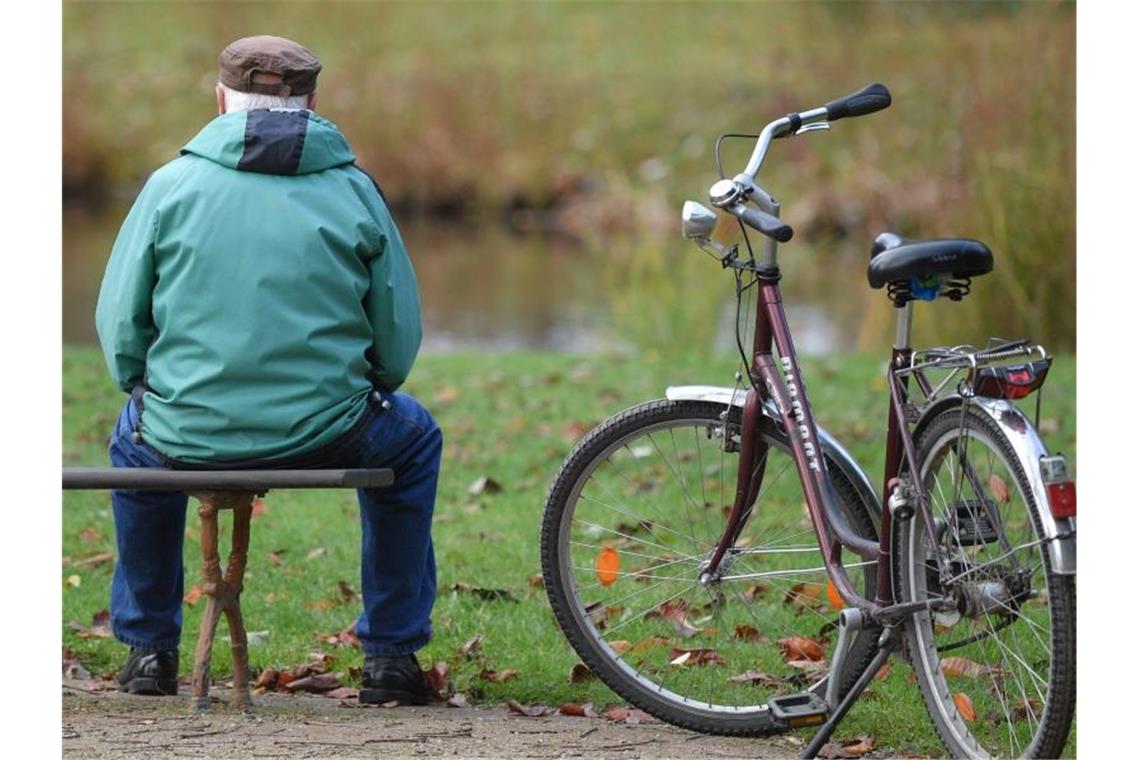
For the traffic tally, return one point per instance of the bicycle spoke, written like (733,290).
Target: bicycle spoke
(675,497)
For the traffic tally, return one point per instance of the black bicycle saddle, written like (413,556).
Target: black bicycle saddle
(895,258)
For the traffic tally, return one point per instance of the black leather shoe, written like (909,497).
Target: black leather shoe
(395,679)
(151,673)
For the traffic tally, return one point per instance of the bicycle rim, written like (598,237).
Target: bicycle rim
(646,497)
(997,673)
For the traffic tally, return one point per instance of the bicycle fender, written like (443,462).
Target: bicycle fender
(833,449)
(1060,535)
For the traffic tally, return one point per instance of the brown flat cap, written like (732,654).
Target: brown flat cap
(294,63)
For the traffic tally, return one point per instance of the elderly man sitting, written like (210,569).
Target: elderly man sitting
(260,308)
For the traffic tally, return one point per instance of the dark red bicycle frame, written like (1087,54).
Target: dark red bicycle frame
(783,386)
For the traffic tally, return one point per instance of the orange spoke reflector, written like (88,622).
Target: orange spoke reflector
(833,597)
(606,565)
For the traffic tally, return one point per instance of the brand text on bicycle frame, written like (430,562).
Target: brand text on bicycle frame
(798,413)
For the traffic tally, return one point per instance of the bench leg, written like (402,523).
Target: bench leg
(223,595)
(235,575)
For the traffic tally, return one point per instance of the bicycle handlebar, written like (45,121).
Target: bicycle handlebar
(763,222)
(872,98)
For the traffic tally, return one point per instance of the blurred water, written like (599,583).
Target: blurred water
(482,287)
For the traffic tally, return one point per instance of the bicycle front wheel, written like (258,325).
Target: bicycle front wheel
(630,522)
(997,673)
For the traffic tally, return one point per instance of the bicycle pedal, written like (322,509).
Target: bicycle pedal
(972,522)
(796,710)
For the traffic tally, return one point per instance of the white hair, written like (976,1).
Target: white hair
(250,101)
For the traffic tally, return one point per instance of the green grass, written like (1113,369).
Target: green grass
(510,417)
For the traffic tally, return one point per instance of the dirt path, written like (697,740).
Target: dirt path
(109,724)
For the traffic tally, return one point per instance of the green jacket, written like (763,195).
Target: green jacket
(259,290)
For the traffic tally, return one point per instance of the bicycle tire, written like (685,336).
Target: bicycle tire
(661,693)
(969,699)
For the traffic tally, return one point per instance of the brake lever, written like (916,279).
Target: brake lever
(812,128)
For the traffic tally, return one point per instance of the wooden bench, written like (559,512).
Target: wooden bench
(216,490)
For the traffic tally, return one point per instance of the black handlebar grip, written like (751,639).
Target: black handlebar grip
(767,224)
(873,97)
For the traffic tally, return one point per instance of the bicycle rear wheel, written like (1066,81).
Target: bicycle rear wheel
(999,674)
(635,511)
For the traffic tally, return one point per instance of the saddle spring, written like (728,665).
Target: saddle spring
(900,292)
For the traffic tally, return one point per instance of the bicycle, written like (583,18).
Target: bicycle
(696,545)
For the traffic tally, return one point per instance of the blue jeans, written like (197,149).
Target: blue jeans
(397,560)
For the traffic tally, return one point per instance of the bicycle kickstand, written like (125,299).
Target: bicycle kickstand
(850,621)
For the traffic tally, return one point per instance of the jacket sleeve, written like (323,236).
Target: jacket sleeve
(393,308)
(123,314)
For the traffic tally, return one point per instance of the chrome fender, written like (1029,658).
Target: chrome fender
(1060,535)
(832,448)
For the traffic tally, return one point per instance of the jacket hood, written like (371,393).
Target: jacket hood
(273,141)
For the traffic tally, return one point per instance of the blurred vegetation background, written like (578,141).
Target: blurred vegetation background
(538,153)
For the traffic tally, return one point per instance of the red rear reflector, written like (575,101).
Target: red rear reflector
(1062,499)
(1011,382)
(1013,392)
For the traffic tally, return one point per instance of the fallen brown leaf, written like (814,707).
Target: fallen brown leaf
(960,666)
(616,714)
(685,629)
(470,647)
(490,594)
(343,692)
(755,591)
(100,626)
(275,557)
(850,748)
(535,581)
(345,638)
(347,592)
(580,673)
(316,683)
(755,678)
(318,552)
(93,560)
(804,595)
(628,715)
(649,643)
(809,666)
(487,674)
(800,648)
(193,595)
(259,509)
(1023,708)
(458,700)
(73,670)
(749,633)
(699,656)
(267,679)
(998,488)
(90,535)
(528,711)
(581,711)
(639,716)
(965,707)
(437,677)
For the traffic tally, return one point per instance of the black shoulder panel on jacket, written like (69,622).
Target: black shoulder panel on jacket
(274,141)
